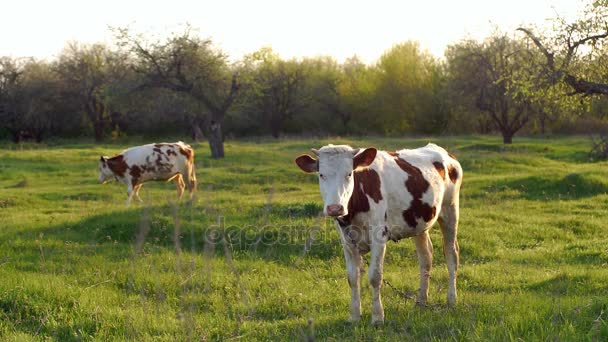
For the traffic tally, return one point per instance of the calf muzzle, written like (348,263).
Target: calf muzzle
(334,210)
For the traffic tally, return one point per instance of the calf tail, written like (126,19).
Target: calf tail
(192,178)
(190,169)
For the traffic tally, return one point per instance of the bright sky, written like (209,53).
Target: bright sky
(294,28)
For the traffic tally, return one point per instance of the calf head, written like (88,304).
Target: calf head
(105,172)
(335,165)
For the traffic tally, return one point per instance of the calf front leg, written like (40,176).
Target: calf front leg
(378,248)
(424,249)
(130,193)
(353,267)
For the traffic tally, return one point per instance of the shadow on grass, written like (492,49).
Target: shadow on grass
(562,284)
(571,187)
(286,234)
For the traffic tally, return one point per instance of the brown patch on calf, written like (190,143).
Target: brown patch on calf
(453,172)
(367,183)
(393,154)
(148,167)
(118,165)
(365,158)
(135,173)
(417,185)
(440,169)
(307,163)
(188,152)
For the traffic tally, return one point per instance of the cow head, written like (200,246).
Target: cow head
(105,172)
(335,165)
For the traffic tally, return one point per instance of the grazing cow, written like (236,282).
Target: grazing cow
(136,165)
(376,196)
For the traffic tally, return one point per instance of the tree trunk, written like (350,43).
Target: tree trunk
(197,132)
(38,136)
(276,125)
(507,137)
(98,127)
(16,136)
(216,140)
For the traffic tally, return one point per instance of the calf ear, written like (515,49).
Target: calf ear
(365,158)
(307,163)
(103,159)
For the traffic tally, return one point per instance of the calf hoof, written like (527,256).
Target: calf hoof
(377,321)
(354,319)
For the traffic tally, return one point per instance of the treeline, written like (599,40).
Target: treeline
(510,81)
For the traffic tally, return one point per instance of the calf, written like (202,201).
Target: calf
(136,165)
(376,196)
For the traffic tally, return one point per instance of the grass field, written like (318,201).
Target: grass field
(252,260)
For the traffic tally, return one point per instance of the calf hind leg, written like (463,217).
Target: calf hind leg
(136,193)
(179,184)
(448,221)
(424,249)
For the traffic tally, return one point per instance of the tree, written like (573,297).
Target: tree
(575,53)
(495,72)
(40,103)
(188,64)
(10,78)
(86,72)
(342,91)
(274,86)
(408,79)
(29,105)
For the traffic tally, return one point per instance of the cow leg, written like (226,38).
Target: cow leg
(179,183)
(136,193)
(191,181)
(424,249)
(129,194)
(353,271)
(378,248)
(448,221)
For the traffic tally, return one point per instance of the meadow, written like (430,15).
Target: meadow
(251,259)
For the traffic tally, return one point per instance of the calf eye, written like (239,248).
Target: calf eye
(350,174)
(321,176)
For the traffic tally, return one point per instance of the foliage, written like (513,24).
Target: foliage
(546,80)
(274,87)
(187,64)
(408,90)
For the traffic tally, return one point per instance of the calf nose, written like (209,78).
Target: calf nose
(335,210)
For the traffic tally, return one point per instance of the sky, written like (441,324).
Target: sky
(293,28)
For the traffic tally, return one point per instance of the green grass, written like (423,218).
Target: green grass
(75,264)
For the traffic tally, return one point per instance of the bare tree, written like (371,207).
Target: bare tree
(187,64)
(86,72)
(492,72)
(575,53)
(275,87)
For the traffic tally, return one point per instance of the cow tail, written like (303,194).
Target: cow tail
(191,171)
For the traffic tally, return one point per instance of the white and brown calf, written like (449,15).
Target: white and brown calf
(376,196)
(136,165)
